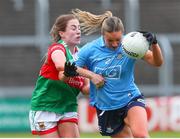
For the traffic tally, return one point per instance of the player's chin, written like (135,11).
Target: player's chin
(77,41)
(114,47)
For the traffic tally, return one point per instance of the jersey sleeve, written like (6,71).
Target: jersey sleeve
(58,47)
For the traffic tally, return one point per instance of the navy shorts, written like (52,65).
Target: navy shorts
(112,121)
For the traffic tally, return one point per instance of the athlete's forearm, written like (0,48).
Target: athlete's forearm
(157,54)
(85,73)
(96,79)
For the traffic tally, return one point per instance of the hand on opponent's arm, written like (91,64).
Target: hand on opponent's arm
(71,70)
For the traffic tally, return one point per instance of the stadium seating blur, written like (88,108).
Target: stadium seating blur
(20,64)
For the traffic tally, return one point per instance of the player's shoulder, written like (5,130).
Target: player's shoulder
(57,46)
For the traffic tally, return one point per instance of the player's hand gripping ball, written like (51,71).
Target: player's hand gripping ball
(135,45)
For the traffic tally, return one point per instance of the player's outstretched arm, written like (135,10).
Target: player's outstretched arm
(96,79)
(71,70)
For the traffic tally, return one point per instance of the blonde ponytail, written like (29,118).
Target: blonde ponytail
(89,22)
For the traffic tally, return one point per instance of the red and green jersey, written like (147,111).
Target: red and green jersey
(51,94)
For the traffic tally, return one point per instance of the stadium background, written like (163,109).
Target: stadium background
(24,38)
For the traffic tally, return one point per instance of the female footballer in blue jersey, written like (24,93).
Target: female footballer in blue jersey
(119,103)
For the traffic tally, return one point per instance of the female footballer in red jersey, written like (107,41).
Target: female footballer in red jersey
(53,105)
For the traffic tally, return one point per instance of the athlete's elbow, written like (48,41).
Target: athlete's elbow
(159,63)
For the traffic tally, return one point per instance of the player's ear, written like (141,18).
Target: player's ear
(61,33)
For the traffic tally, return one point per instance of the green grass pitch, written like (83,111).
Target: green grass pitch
(165,134)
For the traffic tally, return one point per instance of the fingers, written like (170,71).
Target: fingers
(154,39)
(100,85)
(74,66)
(70,69)
(70,65)
(66,63)
(149,36)
(97,80)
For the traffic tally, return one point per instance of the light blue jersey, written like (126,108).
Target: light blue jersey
(116,68)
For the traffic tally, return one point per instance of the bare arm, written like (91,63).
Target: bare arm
(59,59)
(154,57)
(85,88)
(71,70)
(97,79)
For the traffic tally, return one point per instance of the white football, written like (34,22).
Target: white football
(135,45)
